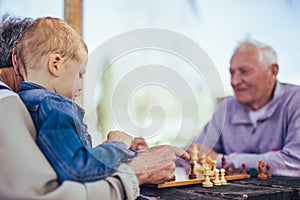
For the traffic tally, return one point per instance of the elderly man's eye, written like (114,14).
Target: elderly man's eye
(243,71)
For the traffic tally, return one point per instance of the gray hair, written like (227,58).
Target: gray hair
(266,53)
(11,31)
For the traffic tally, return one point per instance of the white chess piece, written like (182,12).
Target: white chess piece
(223,181)
(217,180)
(214,167)
(207,182)
(203,164)
(195,155)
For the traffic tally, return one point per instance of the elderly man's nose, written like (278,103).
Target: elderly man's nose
(235,79)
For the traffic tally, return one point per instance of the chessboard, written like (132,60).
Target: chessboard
(207,174)
(182,178)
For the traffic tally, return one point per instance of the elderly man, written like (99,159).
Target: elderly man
(261,121)
(25,172)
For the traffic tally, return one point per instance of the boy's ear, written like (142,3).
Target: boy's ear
(55,64)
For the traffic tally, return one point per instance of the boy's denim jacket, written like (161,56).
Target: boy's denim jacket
(64,140)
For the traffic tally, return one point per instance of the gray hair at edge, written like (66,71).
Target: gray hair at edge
(266,53)
(11,31)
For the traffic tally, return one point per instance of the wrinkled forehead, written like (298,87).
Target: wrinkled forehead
(248,55)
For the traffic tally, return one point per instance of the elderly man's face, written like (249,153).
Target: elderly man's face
(251,80)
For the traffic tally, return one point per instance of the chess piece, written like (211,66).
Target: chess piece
(207,182)
(207,161)
(261,175)
(195,155)
(223,180)
(214,167)
(192,174)
(229,171)
(244,168)
(217,180)
(269,175)
(223,164)
(201,169)
(203,160)
(253,172)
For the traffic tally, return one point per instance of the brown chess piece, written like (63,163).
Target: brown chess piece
(269,175)
(223,162)
(192,174)
(229,171)
(244,168)
(261,174)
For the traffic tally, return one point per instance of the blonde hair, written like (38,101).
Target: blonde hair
(45,36)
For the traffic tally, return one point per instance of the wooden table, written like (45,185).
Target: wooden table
(278,188)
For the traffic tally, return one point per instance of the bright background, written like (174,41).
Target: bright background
(216,25)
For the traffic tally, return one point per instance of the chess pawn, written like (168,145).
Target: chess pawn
(230,170)
(207,182)
(217,180)
(223,180)
(269,175)
(244,168)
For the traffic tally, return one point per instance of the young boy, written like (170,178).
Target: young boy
(52,59)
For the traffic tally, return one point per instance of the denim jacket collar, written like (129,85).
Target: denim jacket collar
(33,86)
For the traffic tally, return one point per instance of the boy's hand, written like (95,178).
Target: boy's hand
(139,144)
(119,136)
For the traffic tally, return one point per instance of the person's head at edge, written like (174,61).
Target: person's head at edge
(53,55)
(253,69)
(11,30)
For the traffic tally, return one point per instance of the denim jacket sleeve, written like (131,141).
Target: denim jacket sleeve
(60,130)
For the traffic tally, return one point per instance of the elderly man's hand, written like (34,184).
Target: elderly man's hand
(202,150)
(156,164)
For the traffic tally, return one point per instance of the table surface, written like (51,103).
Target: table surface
(280,188)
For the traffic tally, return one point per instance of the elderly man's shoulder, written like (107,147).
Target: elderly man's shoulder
(290,88)
(290,92)
(5,93)
(228,102)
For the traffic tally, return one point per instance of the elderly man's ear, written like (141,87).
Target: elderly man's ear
(14,61)
(16,66)
(274,69)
